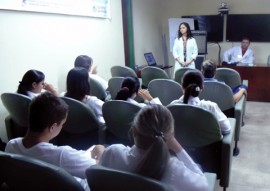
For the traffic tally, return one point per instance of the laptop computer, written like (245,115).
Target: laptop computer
(149,57)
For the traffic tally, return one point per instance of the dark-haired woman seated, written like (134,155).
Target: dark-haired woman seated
(78,87)
(130,88)
(33,83)
(192,85)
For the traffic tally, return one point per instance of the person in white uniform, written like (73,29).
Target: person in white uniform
(192,85)
(239,55)
(86,62)
(78,87)
(47,115)
(185,48)
(153,132)
(130,88)
(33,83)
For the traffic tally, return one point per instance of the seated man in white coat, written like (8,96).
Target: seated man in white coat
(239,55)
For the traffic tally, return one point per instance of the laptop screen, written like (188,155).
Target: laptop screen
(149,57)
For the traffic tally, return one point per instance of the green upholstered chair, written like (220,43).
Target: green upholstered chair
(166,90)
(199,133)
(122,71)
(97,89)
(20,172)
(114,85)
(119,116)
(82,128)
(179,74)
(222,95)
(121,180)
(233,79)
(150,73)
(17,106)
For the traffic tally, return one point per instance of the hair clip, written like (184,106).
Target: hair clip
(125,88)
(159,134)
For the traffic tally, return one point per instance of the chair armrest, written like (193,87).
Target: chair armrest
(211,179)
(101,133)
(239,113)
(227,154)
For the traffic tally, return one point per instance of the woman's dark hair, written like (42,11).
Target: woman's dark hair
(129,86)
(151,126)
(78,83)
(83,61)
(192,82)
(209,68)
(45,110)
(28,79)
(189,34)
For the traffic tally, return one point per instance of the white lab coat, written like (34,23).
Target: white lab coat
(178,52)
(234,54)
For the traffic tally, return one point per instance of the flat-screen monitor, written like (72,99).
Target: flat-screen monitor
(201,40)
(213,24)
(254,26)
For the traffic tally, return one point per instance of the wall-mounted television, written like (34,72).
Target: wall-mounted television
(254,26)
(213,24)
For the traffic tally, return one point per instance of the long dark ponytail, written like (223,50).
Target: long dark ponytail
(192,83)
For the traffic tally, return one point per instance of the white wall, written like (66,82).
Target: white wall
(51,42)
(147,31)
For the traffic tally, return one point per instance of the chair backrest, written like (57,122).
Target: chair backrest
(97,89)
(119,116)
(114,85)
(166,90)
(194,126)
(179,74)
(17,105)
(221,94)
(122,71)
(82,127)
(121,180)
(19,172)
(150,73)
(228,75)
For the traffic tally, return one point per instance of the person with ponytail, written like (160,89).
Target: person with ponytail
(156,153)
(33,83)
(192,85)
(130,88)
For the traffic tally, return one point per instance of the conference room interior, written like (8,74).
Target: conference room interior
(51,42)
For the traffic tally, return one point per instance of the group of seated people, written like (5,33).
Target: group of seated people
(152,129)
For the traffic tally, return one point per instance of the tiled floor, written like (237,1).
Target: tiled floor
(251,169)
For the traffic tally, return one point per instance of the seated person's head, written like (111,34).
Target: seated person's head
(78,83)
(47,111)
(151,127)
(245,43)
(129,88)
(84,61)
(192,84)
(209,68)
(33,81)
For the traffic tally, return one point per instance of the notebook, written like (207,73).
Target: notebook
(149,57)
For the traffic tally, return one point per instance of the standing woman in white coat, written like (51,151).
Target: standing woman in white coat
(185,48)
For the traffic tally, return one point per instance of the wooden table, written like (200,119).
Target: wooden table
(258,81)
